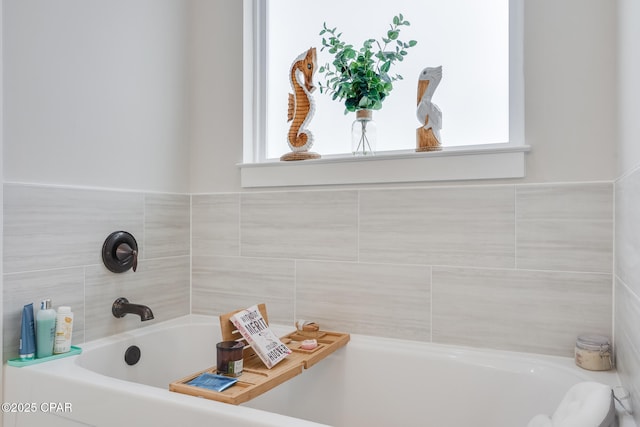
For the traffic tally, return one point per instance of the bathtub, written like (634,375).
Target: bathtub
(371,382)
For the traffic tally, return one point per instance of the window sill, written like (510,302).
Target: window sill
(451,164)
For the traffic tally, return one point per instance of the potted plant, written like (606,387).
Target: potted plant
(361,77)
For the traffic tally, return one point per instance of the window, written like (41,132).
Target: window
(478,43)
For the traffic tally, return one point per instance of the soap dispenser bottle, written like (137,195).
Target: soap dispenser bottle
(45,329)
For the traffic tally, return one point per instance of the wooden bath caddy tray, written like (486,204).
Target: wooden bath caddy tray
(256,378)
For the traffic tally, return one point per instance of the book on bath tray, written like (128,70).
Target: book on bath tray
(260,337)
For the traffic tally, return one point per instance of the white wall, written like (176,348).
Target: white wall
(1,187)
(216,94)
(98,97)
(629,86)
(96,93)
(569,78)
(627,199)
(570,91)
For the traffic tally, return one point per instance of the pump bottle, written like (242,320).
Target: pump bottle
(45,329)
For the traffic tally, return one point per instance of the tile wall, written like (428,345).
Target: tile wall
(517,267)
(627,284)
(52,249)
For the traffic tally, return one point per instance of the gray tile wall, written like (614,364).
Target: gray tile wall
(223,284)
(627,290)
(300,225)
(374,299)
(517,267)
(524,310)
(465,226)
(52,249)
(565,227)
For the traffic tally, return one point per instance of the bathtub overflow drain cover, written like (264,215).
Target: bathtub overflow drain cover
(132,355)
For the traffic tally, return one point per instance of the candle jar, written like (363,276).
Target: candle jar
(593,352)
(229,358)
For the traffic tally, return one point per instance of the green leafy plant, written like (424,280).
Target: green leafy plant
(361,77)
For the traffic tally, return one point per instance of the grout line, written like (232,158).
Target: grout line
(91,188)
(431,303)
(358,226)
(84,305)
(190,254)
(42,270)
(627,173)
(631,292)
(515,227)
(613,269)
(240,224)
(144,228)
(295,291)
(399,264)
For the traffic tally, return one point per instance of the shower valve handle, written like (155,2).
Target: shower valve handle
(124,252)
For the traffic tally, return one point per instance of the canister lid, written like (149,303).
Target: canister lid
(593,342)
(230,345)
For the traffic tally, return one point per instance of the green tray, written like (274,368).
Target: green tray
(20,363)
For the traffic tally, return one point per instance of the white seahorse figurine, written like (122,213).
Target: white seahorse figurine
(428,113)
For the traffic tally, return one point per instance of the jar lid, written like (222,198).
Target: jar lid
(230,345)
(593,342)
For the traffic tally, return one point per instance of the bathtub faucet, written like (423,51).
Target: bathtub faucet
(121,307)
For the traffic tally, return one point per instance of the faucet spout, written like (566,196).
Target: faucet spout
(121,307)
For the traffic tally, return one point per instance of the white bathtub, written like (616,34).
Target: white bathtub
(371,382)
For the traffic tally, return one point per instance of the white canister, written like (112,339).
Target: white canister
(593,352)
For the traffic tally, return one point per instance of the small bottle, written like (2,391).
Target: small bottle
(64,328)
(45,329)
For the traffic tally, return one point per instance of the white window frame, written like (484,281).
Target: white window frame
(490,161)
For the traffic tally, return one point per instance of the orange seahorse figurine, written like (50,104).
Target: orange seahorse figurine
(301,107)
